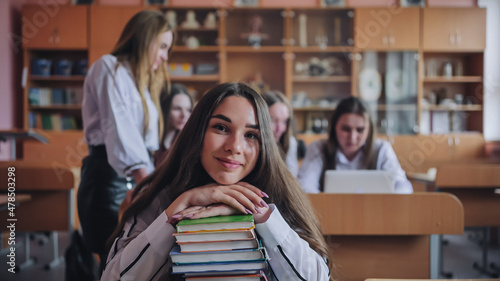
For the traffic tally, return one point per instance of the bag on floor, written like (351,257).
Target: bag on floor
(80,262)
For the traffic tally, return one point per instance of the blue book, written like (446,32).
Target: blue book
(258,254)
(34,96)
(58,96)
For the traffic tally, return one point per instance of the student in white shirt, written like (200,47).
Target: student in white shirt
(351,145)
(281,123)
(121,123)
(223,162)
(176,106)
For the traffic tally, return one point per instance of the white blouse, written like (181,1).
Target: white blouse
(292,160)
(113,116)
(312,166)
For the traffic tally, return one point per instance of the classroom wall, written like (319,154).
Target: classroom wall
(492,70)
(10,69)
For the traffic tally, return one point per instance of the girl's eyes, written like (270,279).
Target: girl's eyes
(219,127)
(222,128)
(252,136)
(361,130)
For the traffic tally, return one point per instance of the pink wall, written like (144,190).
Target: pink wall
(10,69)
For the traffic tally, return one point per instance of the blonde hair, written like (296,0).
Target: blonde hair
(133,46)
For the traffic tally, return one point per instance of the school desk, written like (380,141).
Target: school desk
(386,235)
(51,206)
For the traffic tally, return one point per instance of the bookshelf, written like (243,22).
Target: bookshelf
(333,36)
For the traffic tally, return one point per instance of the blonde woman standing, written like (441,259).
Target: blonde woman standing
(121,120)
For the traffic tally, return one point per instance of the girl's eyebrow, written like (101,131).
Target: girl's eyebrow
(222,117)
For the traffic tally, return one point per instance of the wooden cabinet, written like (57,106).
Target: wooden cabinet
(387,29)
(290,56)
(57,27)
(451,29)
(106,26)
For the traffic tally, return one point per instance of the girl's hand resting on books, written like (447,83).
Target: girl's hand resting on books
(242,197)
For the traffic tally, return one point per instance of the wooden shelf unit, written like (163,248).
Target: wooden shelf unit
(342,35)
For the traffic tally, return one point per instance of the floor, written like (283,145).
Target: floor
(460,253)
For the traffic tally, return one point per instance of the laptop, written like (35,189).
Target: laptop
(359,181)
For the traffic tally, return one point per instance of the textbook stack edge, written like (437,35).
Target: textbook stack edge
(219,248)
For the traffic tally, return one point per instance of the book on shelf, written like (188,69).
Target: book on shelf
(58,97)
(218,256)
(214,236)
(54,96)
(225,267)
(218,246)
(234,222)
(55,121)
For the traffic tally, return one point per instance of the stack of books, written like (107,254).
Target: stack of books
(219,248)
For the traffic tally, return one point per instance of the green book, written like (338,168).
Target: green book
(219,223)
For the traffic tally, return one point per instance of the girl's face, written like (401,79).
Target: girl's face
(352,132)
(279,119)
(231,144)
(158,50)
(180,111)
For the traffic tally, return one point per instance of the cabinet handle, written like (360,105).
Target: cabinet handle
(291,42)
(452,39)
(58,39)
(392,40)
(385,40)
(51,39)
(459,38)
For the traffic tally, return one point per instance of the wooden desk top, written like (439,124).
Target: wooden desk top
(4,199)
(24,134)
(30,176)
(421,213)
(462,175)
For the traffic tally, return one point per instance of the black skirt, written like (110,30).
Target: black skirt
(100,195)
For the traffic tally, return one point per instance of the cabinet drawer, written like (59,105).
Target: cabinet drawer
(387,28)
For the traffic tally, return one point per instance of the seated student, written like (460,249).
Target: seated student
(223,162)
(351,145)
(281,123)
(176,107)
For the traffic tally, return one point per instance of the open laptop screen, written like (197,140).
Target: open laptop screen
(359,181)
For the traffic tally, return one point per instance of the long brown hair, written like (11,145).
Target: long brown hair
(272,97)
(182,169)
(139,33)
(348,105)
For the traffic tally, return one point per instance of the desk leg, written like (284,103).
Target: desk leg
(484,247)
(29,260)
(55,250)
(13,148)
(435,258)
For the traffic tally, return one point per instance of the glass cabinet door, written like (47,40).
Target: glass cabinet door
(388,82)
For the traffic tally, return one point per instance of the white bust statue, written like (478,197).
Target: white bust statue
(171,17)
(210,21)
(190,21)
